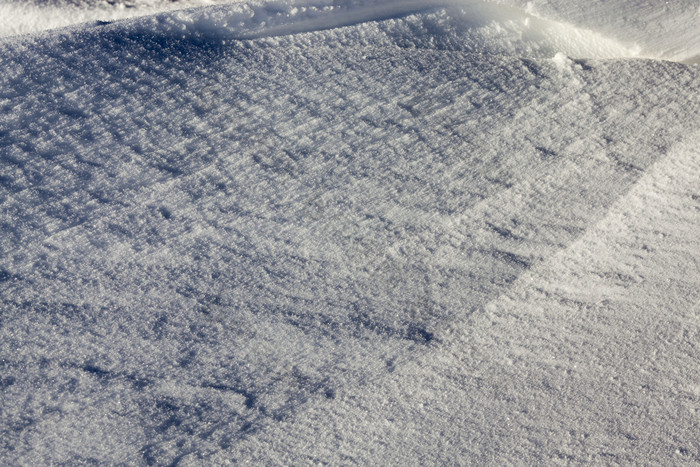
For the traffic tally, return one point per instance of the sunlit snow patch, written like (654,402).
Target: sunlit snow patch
(666,30)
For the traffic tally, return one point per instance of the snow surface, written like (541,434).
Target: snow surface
(351,233)
(668,29)
(23,16)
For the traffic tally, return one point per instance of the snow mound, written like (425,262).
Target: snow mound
(468,25)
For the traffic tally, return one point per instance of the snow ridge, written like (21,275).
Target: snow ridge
(483,27)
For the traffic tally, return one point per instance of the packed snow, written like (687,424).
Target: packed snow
(350,232)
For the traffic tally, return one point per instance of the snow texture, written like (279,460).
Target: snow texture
(350,232)
(668,29)
(23,17)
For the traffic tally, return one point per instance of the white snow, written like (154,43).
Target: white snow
(350,232)
(23,17)
(666,29)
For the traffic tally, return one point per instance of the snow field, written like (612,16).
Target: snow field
(231,235)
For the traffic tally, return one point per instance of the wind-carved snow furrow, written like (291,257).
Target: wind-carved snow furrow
(345,17)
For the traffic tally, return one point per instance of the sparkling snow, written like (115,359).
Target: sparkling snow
(351,232)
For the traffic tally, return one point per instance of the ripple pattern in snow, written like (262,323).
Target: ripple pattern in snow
(398,238)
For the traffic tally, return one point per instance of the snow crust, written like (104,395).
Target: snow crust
(349,233)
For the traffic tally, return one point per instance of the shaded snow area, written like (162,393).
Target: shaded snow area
(389,233)
(27,16)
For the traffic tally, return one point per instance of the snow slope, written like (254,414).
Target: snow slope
(23,17)
(348,233)
(668,29)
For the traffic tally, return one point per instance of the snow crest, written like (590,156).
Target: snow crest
(480,26)
(474,26)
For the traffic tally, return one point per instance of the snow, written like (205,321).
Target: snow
(351,232)
(23,17)
(663,29)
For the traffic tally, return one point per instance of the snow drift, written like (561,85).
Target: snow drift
(475,26)
(669,30)
(345,233)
